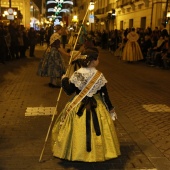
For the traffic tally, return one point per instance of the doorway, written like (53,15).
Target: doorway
(143,23)
(130,23)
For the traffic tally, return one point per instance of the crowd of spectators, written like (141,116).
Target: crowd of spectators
(15,40)
(155,44)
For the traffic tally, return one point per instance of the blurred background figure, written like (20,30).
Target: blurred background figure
(132,51)
(42,36)
(64,36)
(32,41)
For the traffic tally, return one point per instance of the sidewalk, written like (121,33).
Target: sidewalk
(139,93)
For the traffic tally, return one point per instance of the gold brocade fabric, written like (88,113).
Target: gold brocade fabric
(69,136)
(132,52)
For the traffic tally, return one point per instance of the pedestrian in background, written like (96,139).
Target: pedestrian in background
(8,44)
(2,44)
(84,130)
(42,36)
(132,51)
(13,30)
(56,66)
(164,32)
(32,36)
(21,42)
(64,37)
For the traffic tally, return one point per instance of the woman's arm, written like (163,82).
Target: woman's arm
(109,106)
(68,87)
(61,50)
(105,96)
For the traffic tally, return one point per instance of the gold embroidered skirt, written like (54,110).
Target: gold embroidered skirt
(132,52)
(69,136)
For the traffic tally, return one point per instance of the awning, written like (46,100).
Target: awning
(99,16)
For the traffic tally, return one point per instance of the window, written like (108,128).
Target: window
(121,25)
(130,23)
(143,22)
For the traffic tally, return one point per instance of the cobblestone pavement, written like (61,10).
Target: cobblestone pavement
(140,94)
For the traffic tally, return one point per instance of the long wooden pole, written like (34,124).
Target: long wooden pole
(59,95)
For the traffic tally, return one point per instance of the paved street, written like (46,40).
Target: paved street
(141,95)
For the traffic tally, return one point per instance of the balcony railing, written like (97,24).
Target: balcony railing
(121,3)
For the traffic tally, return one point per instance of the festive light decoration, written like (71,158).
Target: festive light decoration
(57,22)
(58,8)
(64,2)
(59,1)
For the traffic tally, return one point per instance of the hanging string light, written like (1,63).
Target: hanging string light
(59,6)
(57,9)
(59,1)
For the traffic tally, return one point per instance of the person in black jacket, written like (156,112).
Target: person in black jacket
(2,44)
(32,36)
(164,32)
(146,45)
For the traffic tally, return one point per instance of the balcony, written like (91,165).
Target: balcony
(128,3)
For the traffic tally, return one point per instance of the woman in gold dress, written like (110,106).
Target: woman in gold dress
(132,50)
(84,130)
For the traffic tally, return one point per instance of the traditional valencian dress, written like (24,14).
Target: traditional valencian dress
(84,130)
(132,51)
(52,63)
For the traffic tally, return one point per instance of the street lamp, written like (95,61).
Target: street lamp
(91,6)
(87,23)
(91,17)
(7,13)
(75,19)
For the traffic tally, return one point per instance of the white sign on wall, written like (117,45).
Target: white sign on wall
(91,18)
(10,17)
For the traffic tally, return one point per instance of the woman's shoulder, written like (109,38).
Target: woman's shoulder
(87,70)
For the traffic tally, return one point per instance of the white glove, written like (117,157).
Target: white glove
(113,115)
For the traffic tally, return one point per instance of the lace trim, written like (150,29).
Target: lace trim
(80,79)
(132,36)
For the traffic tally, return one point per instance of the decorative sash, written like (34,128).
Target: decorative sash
(83,92)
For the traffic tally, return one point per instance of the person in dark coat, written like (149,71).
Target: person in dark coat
(164,32)
(32,41)
(146,45)
(2,44)
(42,35)
(14,41)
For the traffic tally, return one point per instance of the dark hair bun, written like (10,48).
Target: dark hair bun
(90,56)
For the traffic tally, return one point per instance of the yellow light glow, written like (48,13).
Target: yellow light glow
(168,14)
(102,23)
(75,18)
(6,12)
(91,6)
(15,13)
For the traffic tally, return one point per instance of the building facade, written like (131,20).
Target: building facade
(28,13)
(122,14)
(108,14)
